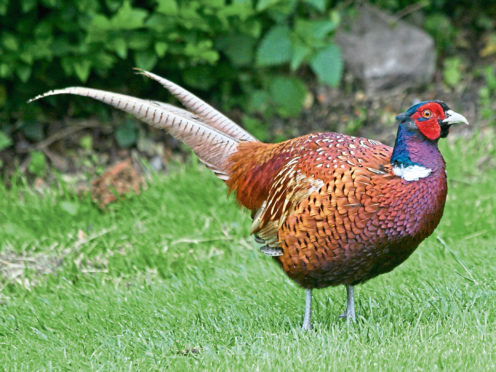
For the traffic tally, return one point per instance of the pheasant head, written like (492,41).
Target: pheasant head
(415,153)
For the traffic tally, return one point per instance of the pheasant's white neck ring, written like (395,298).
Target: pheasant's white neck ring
(411,172)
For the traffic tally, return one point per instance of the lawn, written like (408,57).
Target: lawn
(170,279)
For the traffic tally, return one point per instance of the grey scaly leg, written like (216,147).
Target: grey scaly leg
(349,314)
(307,324)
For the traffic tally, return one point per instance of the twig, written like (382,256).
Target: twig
(197,241)
(85,240)
(66,132)
(412,8)
(393,19)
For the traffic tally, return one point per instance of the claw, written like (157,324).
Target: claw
(349,317)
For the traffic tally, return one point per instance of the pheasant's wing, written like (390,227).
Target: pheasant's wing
(328,175)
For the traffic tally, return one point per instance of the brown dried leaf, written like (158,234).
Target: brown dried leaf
(117,181)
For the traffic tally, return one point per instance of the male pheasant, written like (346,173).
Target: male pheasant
(331,208)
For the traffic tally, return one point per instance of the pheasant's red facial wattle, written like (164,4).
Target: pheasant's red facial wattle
(427,119)
(431,129)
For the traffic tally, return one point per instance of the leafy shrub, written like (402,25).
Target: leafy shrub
(487,94)
(233,49)
(452,71)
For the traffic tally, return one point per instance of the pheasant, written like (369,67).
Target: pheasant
(330,208)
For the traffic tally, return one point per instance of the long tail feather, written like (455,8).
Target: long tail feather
(207,113)
(210,145)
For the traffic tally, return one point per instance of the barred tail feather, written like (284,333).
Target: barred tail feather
(212,146)
(207,113)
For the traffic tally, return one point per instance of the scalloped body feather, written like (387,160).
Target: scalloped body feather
(334,206)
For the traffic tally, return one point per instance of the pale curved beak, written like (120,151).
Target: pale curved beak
(454,118)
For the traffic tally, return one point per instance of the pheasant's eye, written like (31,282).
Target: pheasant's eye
(427,114)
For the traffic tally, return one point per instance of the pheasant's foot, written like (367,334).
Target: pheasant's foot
(306,326)
(350,316)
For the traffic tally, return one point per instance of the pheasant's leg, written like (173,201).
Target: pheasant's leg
(349,314)
(307,323)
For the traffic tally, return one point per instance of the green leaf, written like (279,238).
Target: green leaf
(317,4)
(24,72)
(120,47)
(37,164)
(288,93)
(252,27)
(5,141)
(138,41)
(201,51)
(243,10)
(26,57)
(264,4)
(300,52)
(282,11)
(67,65)
(28,5)
(99,23)
(49,3)
(5,70)
(321,29)
(275,48)
(86,142)
(10,42)
(314,29)
(490,77)
(128,18)
(126,134)
(168,7)
(4,5)
(161,48)
(327,64)
(258,101)
(452,71)
(103,60)
(145,59)
(216,4)
(239,48)
(82,69)
(113,5)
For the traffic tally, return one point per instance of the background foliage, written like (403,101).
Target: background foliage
(231,45)
(254,54)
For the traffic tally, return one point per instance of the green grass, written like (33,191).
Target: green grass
(170,280)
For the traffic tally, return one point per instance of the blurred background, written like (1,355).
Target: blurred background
(279,68)
(94,277)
